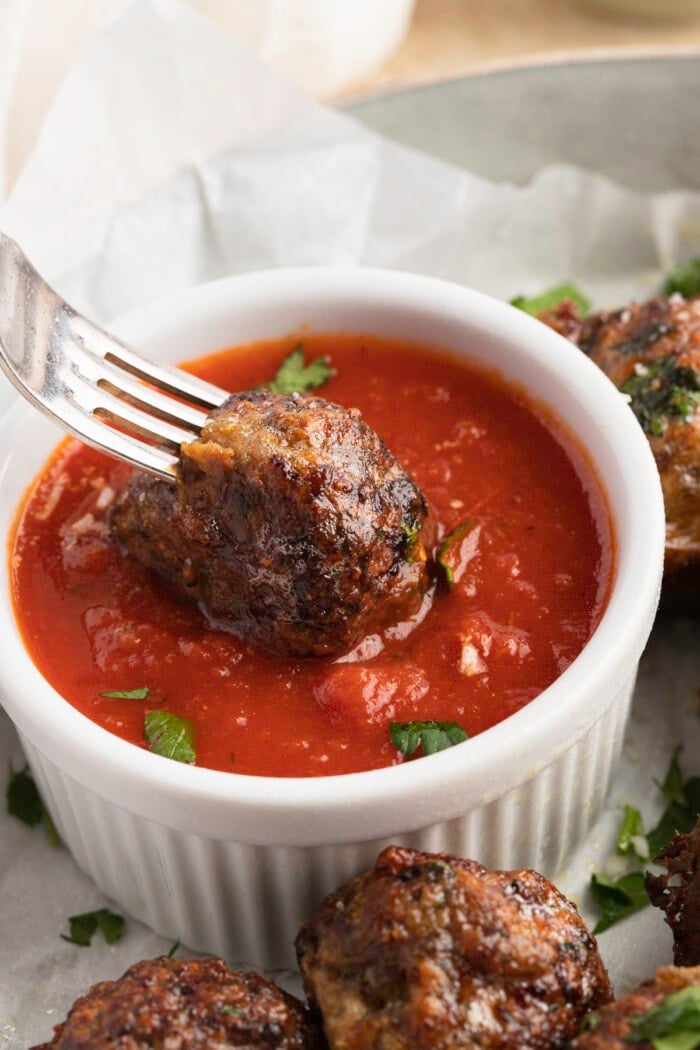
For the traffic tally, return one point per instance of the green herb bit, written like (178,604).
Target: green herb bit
(590,1022)
(674,1024)
(407,737)
(83,927)
(173,948)
(411,531)
(553,297)
(678,817)
(660,391)
(684,279)
(170,736)
(672,786)
(631,838)
(232,1011)
(128,694)
(458,549)
(26,804)
(294,376)
(618,898)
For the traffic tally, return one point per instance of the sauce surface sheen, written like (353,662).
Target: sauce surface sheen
(530,597)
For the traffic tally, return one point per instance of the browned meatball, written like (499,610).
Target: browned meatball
(655,347)
(292,524)
(608,1030)
(185,1004)
(678,894)
(430,952)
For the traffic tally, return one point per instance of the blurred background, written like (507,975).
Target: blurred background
(336,49)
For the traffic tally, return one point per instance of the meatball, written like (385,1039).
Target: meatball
(292,525)
(678,893)
(609,1029)
(183,1004)
(431,952)
(652,351)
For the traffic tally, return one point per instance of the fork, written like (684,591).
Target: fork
(90,383)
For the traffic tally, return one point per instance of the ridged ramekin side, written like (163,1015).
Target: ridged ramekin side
(245,902)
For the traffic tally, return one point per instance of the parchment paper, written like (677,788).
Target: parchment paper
(170,156)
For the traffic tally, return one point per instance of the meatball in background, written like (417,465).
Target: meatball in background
(677,893)
(292,525)
(430,952)
(651,350)
(612,1027)
(186,1004)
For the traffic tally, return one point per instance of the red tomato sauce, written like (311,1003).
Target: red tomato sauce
(532,591)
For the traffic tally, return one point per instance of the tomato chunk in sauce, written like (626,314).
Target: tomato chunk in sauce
(531,572)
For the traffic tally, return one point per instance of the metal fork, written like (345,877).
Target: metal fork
(90,383)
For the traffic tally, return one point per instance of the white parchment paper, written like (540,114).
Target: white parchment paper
(171,156)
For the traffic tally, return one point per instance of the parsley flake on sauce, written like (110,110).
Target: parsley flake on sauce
(294,376)
(84,927)
(673,1024)
(128,694)
(458,549)
(407,737)
(170,736)
(231,1011)
(26,804)
(660,391)
(685,279)
(537,304)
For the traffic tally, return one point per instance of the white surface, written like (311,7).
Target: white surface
(319,44)
(224,170)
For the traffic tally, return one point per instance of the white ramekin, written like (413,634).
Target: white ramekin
(231,863)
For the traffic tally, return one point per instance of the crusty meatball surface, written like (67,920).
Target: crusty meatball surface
(677,892)
(610,1027)
(186,1004)
(431,952)
(661,335)
(292,525)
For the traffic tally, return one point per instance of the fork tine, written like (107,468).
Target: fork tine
(172,380)
(132,391)
(96,401)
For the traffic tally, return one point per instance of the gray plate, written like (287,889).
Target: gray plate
(633,119)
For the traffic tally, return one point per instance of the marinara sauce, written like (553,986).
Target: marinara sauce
(527,602)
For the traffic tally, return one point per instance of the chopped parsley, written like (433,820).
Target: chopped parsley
(411,531)
(551,298)
(294,376)
(407,737)
(590,1022)
(682,811)
(685,279)
(673,786)
(232,1011)
(173,948)
(128,694)
(660,391)
(458,549)
(84,927)
(631,839)
(26,804)
(170,736)
(618,898)
(673,1024)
